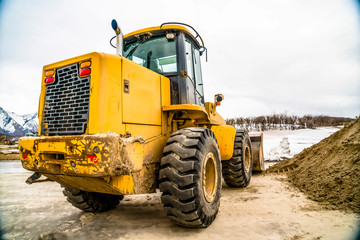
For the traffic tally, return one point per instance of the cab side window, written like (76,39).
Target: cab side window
(189,58)
(198,75)
(193,66)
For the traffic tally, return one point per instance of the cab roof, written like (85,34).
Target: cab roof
(159,30)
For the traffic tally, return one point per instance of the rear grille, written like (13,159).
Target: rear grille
(66,108)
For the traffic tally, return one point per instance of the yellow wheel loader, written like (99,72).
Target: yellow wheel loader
(129,123)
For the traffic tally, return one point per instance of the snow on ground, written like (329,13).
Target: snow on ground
(286,143)
(9,167)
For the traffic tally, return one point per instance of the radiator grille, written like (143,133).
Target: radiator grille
(66,108)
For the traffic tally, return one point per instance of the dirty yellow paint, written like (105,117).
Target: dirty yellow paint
(124,183)
(135,154)
(52,147)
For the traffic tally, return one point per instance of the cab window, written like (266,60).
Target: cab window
(193,67)
(157,54)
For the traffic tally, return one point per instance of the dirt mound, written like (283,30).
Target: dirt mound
(329,172)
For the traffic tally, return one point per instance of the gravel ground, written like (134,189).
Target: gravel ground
(268,209)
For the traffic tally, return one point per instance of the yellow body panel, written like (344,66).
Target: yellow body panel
(142,102)
(196,112)
(225,135)
(201,115)
(105,94)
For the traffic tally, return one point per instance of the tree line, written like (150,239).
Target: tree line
(285,122)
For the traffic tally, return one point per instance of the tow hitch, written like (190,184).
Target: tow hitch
(34,179)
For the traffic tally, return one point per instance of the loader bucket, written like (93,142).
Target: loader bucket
(257,151)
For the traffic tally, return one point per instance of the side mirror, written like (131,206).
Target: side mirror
(114,24)
(218,98)
(119,37)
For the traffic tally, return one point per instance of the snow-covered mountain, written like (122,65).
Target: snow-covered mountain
(12,124)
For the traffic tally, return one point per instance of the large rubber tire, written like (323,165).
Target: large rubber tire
(190,177)
(91,201)
(237,171)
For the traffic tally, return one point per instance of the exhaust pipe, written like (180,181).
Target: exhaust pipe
(119,37)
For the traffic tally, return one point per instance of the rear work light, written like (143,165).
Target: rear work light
(85,72)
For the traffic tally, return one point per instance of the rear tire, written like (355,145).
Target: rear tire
(190,177)
(237,171)
(91,201)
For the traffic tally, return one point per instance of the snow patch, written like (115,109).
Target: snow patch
(279,145)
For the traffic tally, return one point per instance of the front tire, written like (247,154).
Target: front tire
(237,171)
(91,201)
(190,177)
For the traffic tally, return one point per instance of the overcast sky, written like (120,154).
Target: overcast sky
(265,56)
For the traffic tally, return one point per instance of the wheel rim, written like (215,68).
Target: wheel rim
(247,159)
(209,177)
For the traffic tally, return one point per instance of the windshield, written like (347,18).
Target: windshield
(157,54)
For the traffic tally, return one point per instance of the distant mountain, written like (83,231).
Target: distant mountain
(12,124)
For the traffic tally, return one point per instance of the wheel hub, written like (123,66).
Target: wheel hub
(210,177)
(247,159)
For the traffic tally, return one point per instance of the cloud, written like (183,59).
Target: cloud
(265,56)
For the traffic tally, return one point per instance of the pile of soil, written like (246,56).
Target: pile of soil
(329,172)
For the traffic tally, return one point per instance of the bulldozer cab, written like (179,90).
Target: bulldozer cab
(172,51)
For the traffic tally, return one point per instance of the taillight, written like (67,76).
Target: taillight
(85,64)
(50,76)
(49,73)
(85,69)
(92,158)
(49,80)
(85,72)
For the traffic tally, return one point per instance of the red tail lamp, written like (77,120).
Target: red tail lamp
(49,80)
(49,74)
(92,158)
(24,156)
(85,71)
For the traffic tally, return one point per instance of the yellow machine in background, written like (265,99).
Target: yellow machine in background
(5,141)
(112,125)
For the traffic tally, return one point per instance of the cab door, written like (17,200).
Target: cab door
(193,67)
